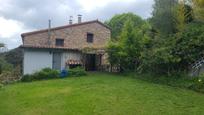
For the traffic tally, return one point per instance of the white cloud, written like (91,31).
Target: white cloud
(89,5)
(9,27)
(10,31)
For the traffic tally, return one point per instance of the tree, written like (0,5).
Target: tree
(198,6)
(183,15)
(125,52)
(115,53)
(118,21)
(14,57)
(158,57)
(189,45)
(170,20)
(163,19)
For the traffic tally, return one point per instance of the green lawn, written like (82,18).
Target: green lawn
(98,93)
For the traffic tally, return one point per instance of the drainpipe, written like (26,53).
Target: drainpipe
(49,32)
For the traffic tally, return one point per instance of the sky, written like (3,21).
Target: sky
(20,16)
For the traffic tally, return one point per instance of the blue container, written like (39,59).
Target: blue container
(63,73)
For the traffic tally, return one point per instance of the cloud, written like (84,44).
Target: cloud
(142,8)
(9,31)
(9,27)
(90,5)
(20,16)
(35,13)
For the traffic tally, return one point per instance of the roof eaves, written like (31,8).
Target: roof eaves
(47,47)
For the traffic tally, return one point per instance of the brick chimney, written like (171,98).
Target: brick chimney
(79,18)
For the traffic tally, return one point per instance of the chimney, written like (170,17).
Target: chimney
(79,18)
(70,20)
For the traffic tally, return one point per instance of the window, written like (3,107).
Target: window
(59,42)
(90,37)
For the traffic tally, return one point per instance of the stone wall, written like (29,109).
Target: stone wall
(74,37)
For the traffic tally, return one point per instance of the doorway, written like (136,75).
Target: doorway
(56,63)
(90,63)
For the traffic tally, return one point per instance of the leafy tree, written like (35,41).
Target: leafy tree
(133,41)
(14,57)
(115,53)
(126,51)
(162,55)
(163,19)
(183,15)
(176,53)
(158,57)
(118,21)
(189,45)
(199,9)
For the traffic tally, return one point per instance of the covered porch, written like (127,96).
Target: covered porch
(91,60)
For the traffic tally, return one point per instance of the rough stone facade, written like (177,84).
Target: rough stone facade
(75,37)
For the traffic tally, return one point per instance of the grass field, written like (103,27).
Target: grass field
(98,94)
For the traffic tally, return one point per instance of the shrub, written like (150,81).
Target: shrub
(76,72)
(45,73)
(198,84)
(27,78)
(5,76)
(10,76)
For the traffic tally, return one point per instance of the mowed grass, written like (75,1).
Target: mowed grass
(98,94)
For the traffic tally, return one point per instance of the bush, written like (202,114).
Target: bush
(198,84)
(10,76)
(45,73)
(48,73)
(27,78)
(5,77)
(76,72)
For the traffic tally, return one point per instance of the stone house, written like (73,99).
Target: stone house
(80,44)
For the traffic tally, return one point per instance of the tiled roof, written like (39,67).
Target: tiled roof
(47,47)
(99,49)
(62,27)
